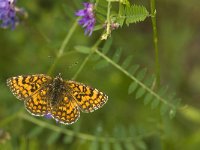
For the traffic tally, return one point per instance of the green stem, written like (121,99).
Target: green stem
(133,78)
(83,136)
(108,18)
(155,41)
(62,47)
(86,59)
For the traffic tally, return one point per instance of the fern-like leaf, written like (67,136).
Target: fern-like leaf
(117,55)
(155,103)
(101,11)
(132,87)
(101,64)
(107,46)
(127,62)
(148,97)
(131,14)
(144,87)
(133,69)
(83,49)
(140,92)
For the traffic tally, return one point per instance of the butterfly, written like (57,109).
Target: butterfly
(63,100)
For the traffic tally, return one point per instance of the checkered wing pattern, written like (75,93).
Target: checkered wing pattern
(25,86)
(66,111)
(38,103)
(87,98)
(63,100)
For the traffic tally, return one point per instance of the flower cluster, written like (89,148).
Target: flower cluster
(8,13)
(87,17)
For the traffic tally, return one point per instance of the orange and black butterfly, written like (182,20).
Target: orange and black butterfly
(63,100)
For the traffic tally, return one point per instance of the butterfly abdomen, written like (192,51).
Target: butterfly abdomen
(57,91)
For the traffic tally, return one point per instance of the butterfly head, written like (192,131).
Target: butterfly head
(58,80)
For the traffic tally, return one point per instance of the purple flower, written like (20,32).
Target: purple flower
(48,116)
(8,12)
(87,18)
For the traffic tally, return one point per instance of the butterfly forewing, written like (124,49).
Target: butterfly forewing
(25,86)
(87,98)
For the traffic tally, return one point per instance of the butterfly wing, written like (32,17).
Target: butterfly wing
(24,86)
(38,103)
(66,110)
(87,98)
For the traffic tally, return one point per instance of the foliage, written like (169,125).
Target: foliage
(144,110)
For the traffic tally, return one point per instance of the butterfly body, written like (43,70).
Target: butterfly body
(43,95)
(57,88)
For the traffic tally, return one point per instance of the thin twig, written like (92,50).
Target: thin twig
(62,47)
(133,78)
(86,59)
(155,41)
(80,135)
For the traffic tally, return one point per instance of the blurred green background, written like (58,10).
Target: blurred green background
(32,48)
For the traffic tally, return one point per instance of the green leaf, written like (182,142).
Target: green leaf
(141,74)
(127,62)
(131,14)
(133,69)
(102,4)
(98,27)
(101,11)
(121,15)
(101,19)
(107,46)
(155,103)
(171,96)
(148,97)
(164,109)
(101,7)
(140,92)
(83,49)
(117,55)
(150,80)
(162,91)
(95,57)
(125,2)
(101,64)
(132,87)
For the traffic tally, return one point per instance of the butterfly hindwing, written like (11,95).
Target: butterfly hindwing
(38,104)
(66,110)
